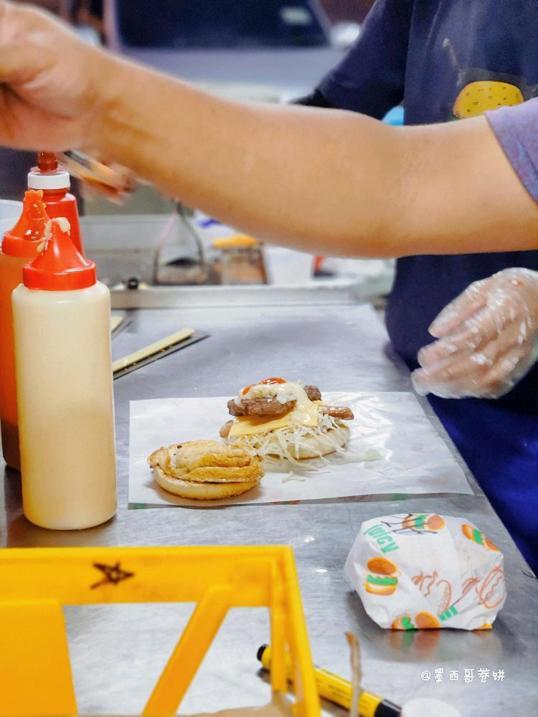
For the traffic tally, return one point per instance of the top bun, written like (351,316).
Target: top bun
(205,470)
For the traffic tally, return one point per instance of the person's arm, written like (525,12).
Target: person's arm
(320,180)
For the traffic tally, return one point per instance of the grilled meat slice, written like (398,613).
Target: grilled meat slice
(261,407)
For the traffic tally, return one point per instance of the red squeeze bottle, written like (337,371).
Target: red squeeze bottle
(54,181)
(19,246)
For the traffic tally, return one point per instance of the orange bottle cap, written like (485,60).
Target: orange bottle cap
(23,240)
(47,161)
(59,267)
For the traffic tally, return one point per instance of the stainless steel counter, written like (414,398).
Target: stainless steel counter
(328,339)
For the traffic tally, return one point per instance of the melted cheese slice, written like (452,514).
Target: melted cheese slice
(305,415)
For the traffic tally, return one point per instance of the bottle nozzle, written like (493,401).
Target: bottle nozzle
(47,162)
(36,213)
(59,267)
(29,229)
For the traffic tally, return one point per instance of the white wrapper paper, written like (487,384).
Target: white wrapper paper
(393,449)
(426,571)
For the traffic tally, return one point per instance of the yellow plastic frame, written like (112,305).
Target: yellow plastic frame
(35,671)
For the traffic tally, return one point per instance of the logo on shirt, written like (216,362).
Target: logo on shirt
(482,90)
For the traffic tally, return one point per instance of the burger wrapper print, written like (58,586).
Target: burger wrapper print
(422,570)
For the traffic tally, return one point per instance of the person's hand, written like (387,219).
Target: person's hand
(488,339)
(52,84)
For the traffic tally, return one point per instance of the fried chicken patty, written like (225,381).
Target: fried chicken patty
(268,406)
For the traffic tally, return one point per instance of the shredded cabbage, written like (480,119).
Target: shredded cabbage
(283,445)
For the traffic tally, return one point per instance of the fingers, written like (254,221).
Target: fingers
(17,63)
(461,309)
(488,339)
(492,292)
(462,376)
(423,385)
(4,9)
(22,17)
(478,331)
(506,372)
(6,120)
(489,372)
(469,338)
(13,21)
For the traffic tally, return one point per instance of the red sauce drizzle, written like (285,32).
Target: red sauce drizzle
(273,379)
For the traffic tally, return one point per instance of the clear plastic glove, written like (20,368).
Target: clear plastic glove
(488,339)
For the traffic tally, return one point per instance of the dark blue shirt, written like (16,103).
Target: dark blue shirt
(446,60)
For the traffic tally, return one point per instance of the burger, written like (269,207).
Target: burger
(478,537)
(382,578)
(280,419)
(419,522)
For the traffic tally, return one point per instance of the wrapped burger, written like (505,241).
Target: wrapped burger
(420,570)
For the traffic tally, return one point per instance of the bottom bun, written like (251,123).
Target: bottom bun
(380,589)
(200,491)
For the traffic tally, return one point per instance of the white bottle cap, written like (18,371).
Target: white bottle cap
(425,707)
(59,179)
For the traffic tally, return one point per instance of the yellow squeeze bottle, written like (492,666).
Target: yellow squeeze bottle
(61,317)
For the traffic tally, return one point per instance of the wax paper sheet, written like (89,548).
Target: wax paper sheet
(393,449)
